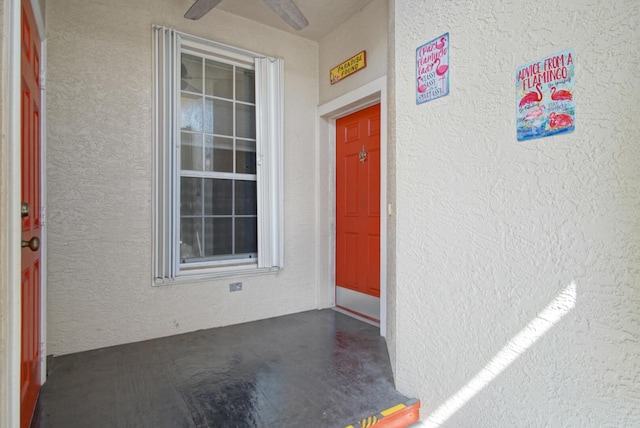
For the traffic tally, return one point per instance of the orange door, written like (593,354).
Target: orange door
(30,361)
(358,201)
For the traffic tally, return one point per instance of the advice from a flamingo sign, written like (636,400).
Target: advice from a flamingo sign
(432,69)
(544,96)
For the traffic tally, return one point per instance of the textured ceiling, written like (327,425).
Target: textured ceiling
(323,15)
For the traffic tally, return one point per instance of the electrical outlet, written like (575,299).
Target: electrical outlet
(235,286)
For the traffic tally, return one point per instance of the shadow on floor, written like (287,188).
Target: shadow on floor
(312,369)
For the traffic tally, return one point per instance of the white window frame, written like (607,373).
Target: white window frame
(269,77)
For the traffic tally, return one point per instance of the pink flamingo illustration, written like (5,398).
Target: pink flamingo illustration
(534,114)
(559,120)
(560,95)
(440,44)
(421,86)
(441,69)
(532,97)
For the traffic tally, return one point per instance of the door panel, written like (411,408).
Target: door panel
(358,206)
(373,273)
(30,350)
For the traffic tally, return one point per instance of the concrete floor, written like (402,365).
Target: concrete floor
(316,369)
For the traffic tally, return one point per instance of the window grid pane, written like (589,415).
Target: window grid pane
(219,79)
(191,151)
(218,214)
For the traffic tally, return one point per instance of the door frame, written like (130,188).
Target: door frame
(12,249)
(365,96)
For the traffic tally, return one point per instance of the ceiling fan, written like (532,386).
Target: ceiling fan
(286,9)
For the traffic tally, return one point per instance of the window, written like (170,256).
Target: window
(218,158)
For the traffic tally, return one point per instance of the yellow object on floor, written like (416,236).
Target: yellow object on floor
(399,416)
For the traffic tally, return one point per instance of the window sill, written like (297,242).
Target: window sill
(195,277)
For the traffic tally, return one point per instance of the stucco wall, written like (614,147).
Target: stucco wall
(366,30)
(99,178)
(490,230)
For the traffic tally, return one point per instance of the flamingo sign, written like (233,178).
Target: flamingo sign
(432,69)
(544,96)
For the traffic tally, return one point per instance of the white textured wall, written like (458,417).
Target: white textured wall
(490,230)
(366,30)
(99,178)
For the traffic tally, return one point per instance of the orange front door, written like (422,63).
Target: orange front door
(30,361)
(358,203)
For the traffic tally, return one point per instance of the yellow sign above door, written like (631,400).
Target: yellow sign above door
(347,68)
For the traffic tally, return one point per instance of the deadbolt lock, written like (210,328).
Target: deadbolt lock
(24,209)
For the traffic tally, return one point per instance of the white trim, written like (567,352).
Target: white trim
(367,95)
(358,99)
(14,232)
(196,278)
(174,160)
(220,49)
(216,53)
(269,74)
(43,212)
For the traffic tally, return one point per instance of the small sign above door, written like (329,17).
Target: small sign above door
(348,67)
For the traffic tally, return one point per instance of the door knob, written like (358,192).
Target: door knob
(33,243)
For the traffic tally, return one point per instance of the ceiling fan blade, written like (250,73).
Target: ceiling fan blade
(200,8)
(289,12)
